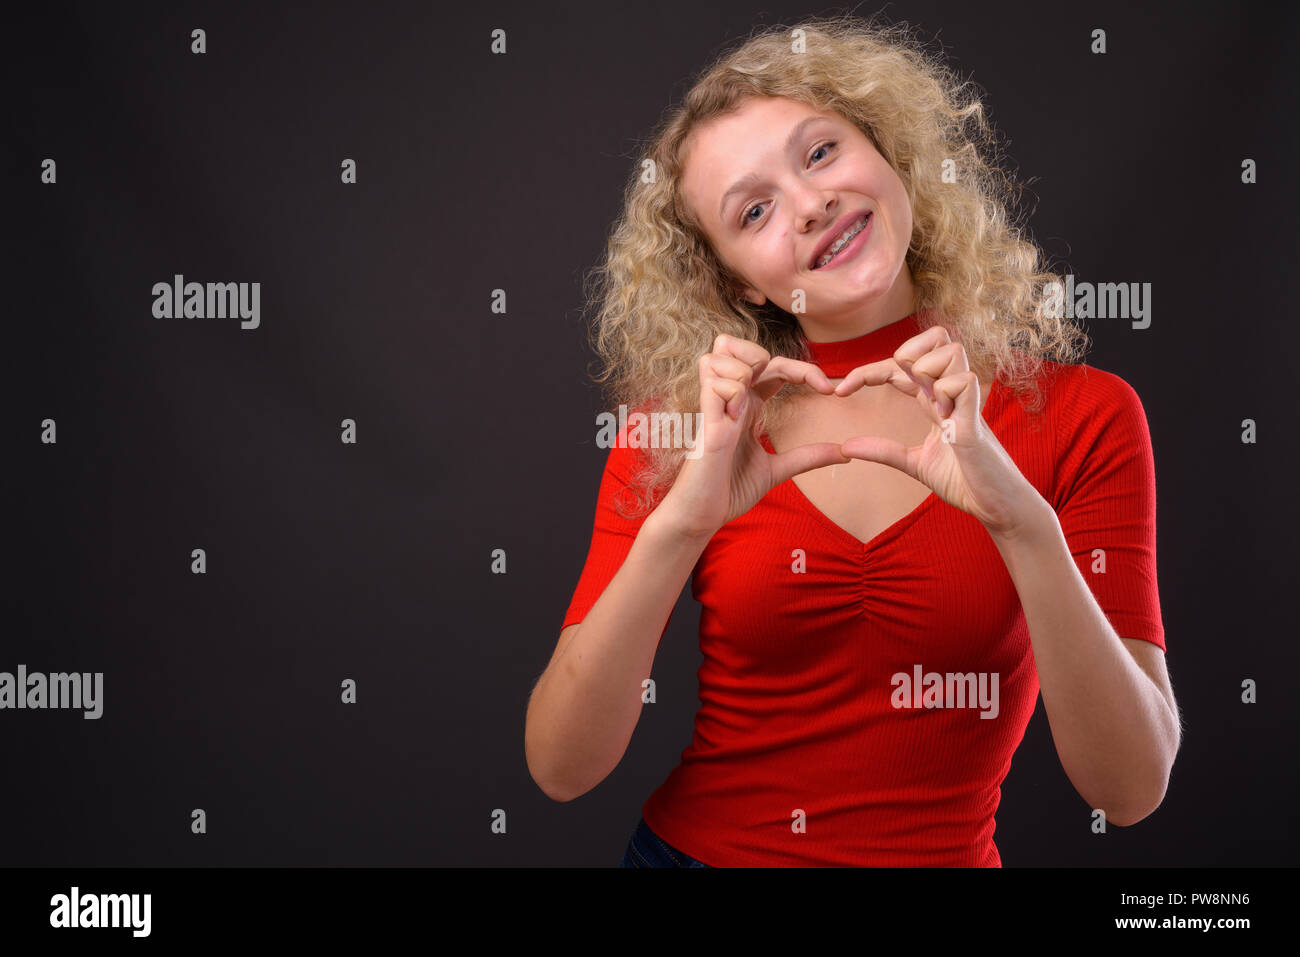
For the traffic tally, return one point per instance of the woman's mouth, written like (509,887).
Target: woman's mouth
(847,244)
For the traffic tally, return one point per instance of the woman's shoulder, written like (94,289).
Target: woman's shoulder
(1085,388)
(1091,408)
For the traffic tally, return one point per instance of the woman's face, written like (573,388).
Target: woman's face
(773,185)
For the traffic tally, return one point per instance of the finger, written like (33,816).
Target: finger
(939,362)
(929,404)
(750,353)
(731,368)
(873,448)
(959,392)
(943,361)
(712,405)
(911,351)
(886,371)
(732,393)
(744,350)
(923,342)
(805,458)
(782,369)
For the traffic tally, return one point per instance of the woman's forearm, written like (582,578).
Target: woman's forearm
(1114,730)
(586,704)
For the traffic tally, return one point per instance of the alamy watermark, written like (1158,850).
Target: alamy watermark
(58,690)
(1104,300)
(214,300)
(102,910)
(950,690)
(656,430)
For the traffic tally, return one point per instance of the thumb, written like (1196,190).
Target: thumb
(871,448)
(806,458)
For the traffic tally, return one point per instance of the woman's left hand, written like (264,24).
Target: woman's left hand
(961,459)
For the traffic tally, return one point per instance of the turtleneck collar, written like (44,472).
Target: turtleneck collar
(837,359)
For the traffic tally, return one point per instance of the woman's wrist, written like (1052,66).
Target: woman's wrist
(667,526)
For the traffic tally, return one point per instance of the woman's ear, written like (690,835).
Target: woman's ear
(750,294)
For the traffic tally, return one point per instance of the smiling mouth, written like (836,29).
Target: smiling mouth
(839,245)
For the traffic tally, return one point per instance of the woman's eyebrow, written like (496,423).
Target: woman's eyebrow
(749,179)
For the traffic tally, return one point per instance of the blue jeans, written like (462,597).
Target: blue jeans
(648,849)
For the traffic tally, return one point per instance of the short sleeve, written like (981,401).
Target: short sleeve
(1105,498)
(612,535)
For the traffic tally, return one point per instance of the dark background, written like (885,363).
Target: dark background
(476,430)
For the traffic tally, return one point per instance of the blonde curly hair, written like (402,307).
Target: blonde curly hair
(661,298)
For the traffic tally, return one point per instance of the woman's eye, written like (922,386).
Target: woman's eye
(746,219)
(824,146)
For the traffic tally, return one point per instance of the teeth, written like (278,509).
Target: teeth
(843,241)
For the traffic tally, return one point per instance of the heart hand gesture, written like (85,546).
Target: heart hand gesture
(728,470)
(961,460)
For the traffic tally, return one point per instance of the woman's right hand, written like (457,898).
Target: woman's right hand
(728,470)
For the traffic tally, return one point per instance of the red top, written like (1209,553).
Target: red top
(798,719)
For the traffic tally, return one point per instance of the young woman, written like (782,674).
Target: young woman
(906,509)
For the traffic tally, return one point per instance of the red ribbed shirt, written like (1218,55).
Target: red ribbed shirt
(801,753)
